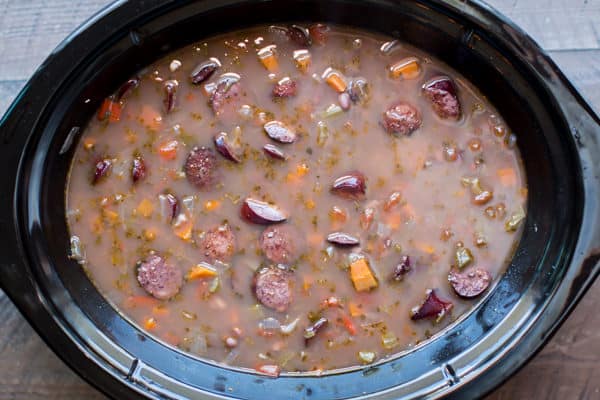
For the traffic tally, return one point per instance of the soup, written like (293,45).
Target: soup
(295,198)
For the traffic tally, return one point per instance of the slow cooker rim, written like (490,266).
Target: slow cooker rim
(106,11)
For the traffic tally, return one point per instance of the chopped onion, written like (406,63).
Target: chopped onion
(332,110)
(77,250)
(189,204)
(289,328)
(383,230)
(269,324)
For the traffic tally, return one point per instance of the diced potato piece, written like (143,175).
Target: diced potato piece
(362,276)
(268,58)
(407,68)
(182,227)
(302,59)
(335,80)
(145,208)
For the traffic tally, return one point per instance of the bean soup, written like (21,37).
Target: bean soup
(295,198)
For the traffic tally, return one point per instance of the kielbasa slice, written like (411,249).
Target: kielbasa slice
(218,243)
(160,279)
(201,168)
(279,243)
(470,283)
(273,288)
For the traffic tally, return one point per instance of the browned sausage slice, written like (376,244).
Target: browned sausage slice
(218,243)
(401,119)
(278,243)
(159,278)
(470,283)
(273,288)
(201,168)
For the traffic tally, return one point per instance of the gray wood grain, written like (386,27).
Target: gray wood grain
(565,369)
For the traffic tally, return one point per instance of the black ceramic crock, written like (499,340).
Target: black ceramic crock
(556,261)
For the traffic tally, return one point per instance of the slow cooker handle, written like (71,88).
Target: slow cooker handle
(15,127)
(584,125)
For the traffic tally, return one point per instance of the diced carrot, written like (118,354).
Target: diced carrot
(107,108)
(337,214)
(149,234)
(336,81)
(150,323)
(183,227)
(392,201)
(302,59)
(354,309)
(98,225)
(315,239)
(190,96)
(115,112)
(306,284)
(393,220)
(301,170)
(269,369)
(171,338)
(508,176)
(168,150)
(140,301)
(111,216)
(201,271)
(362,276)
(310,204)
(349,325)
(425,247)
(160,311)
(89,143)
(145,208)
(408,211)
(151,118)
(523,191)
(407,68)
(267,57)
(211,205)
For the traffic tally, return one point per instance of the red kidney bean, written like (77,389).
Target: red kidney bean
(351,186)
(274,152)
(225,148)
(342,239)
(279,132)
(204,71)
(101,170)
(170,88)
(432,307)
(138,169)
(259,212)
(442,94)
(401,119)
(311,331)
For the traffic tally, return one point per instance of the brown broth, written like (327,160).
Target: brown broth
(115,236)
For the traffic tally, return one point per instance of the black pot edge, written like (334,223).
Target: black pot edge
(585,128)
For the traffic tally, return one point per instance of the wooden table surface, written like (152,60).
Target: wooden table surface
(567,368)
